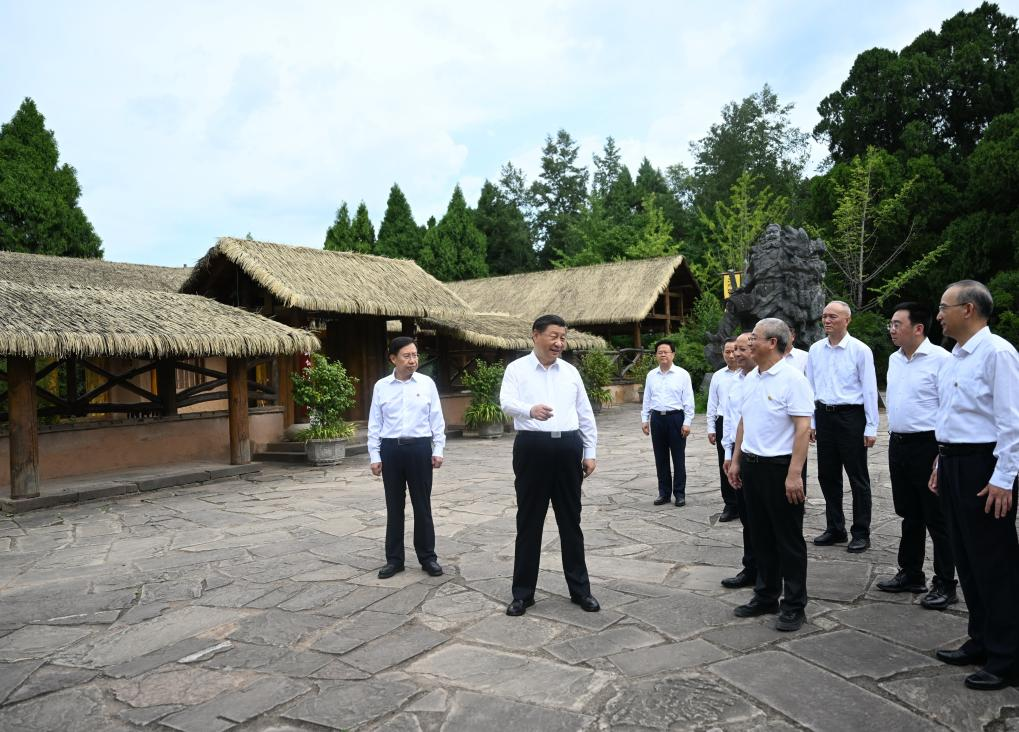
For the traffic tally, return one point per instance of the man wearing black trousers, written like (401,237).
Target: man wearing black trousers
(554,450)
(406,435)
(912,401)
(666,415)
(977,429)
(722,381)
(767,463)
(840,370)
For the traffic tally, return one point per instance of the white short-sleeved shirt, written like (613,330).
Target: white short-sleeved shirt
(770,400)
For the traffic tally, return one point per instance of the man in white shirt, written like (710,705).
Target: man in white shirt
(795,356)
(767,463)
(718,393)
(977,429)
(840,370)
(554,450)
(406,436)
(912,401)
(666,415)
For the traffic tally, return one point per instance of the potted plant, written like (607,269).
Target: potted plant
(597,370)
(327,390)
(484,413)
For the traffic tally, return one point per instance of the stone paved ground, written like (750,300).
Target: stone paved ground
(254,605)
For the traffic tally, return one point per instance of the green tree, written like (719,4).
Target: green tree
(39,211)
(399,236)
(338,236)
(509,239)
(602,238)
(457,248)
(656,236)
(559,194)
(362,233)
(607,168)
(621,199)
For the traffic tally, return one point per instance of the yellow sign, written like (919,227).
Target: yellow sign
(731,280)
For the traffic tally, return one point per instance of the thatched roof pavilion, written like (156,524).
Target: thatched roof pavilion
(45,270)
(503,332)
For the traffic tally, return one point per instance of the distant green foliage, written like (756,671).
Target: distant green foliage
(399,236)
(597,371)
(327,390)
(455,248)
(338,238)
(484,383)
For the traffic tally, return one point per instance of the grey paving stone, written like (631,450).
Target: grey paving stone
(782,681)
(355,601)
(337,670)
(315,596)
(681,615)
(246,655)
(561,609)
(154,659)
(346,704)
(599,645)
(148,715)
(434,701)
(676,703)
(516,634)
(38,641)
(948,701)
(402,602)
(48,679)
(178,685)
(911,626)
(837,580)
(851,653)
(359,629)
(279,628)
(71,710)
(745,636)
(666,658)
(469,712)
(260,697)
(12,675)
(394,648)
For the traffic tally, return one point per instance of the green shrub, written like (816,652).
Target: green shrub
(327,390)
(484,384)
(872,329)
(597,371)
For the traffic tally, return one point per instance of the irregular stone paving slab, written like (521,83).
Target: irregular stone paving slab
(337,670)
(668,657)
(630,569)
(38,641)
(180,685)
(394,648)
(346,704)
(400,723)
(355,601)
(157,658)
(51,678)
(676,703)
(947,700)
(279,628)
(434,701)
(315,596)
(237,706)
(12,675)
(681,615)
(915,627)
(814,697)
(72,710)
(119,645)
(558,608)
(599,645)
(839,581)
(403,601)
(148,715)
(515,634)
(852,653)
(517,677)
(745,636)
(469,712)
(359,629)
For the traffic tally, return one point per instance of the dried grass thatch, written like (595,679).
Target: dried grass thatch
(334,282)
(504,332)
(618,292)
(44,271)
(84,321)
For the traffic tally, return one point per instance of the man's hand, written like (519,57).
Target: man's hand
(869,441)
(733,475)
(932,483)
(685,431)
(997,498)
(711,438)
(436,461)
(541,412)
(589,466)
(794,488)
(813,436)
(376,469)
(646,428)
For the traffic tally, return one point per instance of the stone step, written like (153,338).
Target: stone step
(280,456)
(285,447)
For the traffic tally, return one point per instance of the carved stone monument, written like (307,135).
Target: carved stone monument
(783,280)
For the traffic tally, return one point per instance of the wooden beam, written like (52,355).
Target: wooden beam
(23,426)
(286,388)
(636,335)
(237,386)
(668,312)
(166,385)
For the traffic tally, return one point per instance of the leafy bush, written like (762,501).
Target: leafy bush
(872,329)
(597,372)
(484,384)
(1005,322)
(327,390)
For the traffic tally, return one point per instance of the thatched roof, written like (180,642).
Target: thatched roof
(618,292)
(44,270)
(333,282)
(84,321)
(504,332)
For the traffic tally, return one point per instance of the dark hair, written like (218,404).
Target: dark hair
(399,343)
(919,314)
(542,323)
(976,293)
(665,342)
(730,339)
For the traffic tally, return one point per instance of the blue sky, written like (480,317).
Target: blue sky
(188,121)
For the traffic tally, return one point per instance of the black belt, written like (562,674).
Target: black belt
(956,449)
(773,459)
(548,435)
(836,407)
(911,436)
(406,440)
(667,412)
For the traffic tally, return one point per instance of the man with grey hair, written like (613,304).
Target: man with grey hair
(767,462)
(977,429)
(840,370)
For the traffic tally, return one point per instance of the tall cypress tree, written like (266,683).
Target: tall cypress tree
(560,194)
(362,233)
(39,209)
(509,239)
(399,236)
(338,237)
(459,246)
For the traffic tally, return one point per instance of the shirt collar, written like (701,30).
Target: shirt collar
(775,370)
(672,369)
(924,349)
(536,364)
(844,343)
(973,343)
(392,377)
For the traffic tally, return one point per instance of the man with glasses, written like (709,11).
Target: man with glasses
(977,429)
(840,369)
(912,401)
(666,415)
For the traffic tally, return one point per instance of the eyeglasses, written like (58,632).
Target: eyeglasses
(893,326)
(942,307)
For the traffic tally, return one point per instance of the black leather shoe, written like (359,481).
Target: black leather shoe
(680,502)
(660,501)
(857,545)
(829,537)
(587,604)
(790,620)
(901,583)
(519,607)
(985,681)
(743,579)
(728,514)
(940,596)
(959,657)
(389,570)
(432,567)
(754,608)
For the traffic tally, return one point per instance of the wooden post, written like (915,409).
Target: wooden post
(23,426)
(71,371)
(237,387)
(166,385)
(285,363)
(668,312)
(636,335)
